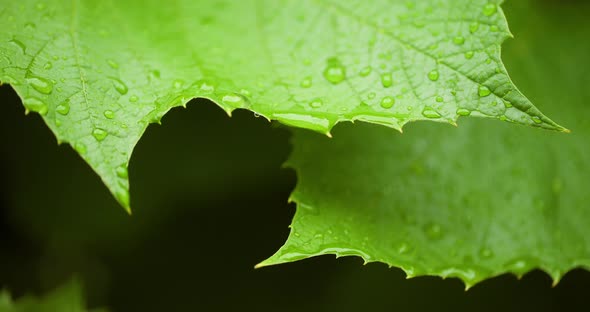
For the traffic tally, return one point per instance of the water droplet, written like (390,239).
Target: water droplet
(366,71)
(99,134)
(80,148)
(40,6)
(109,114)
(486,253)
(120,86)
(494,28)
(469,55)
(317,103)
(113,64)
(35,105)
(473,27)
(433,75)
(133,99)
(306,82)
(41,84)
(177,84)
(403,248)
(536,120)
(459,40)
(434,231)
(507,104)
(47,66)
(206,87)
(371,95)
(387,102)
(233,100)
(335,72)
(483,91)
(430,113)
(386,80)
(463,112)
(490,9)
(122,172)
(440,99)
(154,74)
(518,265)
(63,108)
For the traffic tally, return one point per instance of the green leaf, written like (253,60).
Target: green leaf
(470,202)
(100,72)
(67,298)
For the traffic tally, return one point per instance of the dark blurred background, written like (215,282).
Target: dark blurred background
(210,201)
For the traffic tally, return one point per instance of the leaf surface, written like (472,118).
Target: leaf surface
(470,202)
(99,72)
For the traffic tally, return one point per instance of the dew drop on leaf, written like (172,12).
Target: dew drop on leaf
(440,99)
(536,119)
(306,82)
(459,40)
(120,86)
(463,112)
(433,231)
(366,71)
(386,80)
(483,91)
(109,114)
(233,99)
(473,27)
(122,172)
(48,66)
(34,104)
(99,134)
(430,113)
(206,87)
(317,103)
(335,71)
(177,84)
(80,148)
(63,108)
(490,9)
(433,75)
(133,99)
(469,55)
(387,102)
(403,248)
(42,85)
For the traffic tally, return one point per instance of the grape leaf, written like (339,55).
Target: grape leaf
(68,298)
(99,72)
(470,202)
